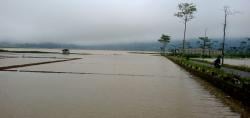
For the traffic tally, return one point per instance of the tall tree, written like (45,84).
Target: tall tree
(186,11)
(165,39)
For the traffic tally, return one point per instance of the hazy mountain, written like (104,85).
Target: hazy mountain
(140,46)
(147,46)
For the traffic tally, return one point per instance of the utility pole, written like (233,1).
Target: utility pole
(227,12)
(224,33)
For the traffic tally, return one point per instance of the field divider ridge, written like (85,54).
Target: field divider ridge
(33,64)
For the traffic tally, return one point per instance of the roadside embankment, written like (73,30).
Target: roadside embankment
(234,85)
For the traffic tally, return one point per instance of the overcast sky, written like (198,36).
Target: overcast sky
(109,21)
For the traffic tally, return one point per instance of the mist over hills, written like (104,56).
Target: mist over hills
(132,46)
(142,46)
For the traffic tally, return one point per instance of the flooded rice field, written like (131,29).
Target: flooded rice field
(111,84)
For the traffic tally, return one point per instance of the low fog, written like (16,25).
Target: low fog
(115,21)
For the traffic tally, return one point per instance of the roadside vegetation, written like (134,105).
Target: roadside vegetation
(234,85)
(242,67)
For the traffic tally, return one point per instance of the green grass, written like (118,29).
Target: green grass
(207,70)
(242,68)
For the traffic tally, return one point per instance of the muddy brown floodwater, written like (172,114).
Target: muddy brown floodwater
(120,85)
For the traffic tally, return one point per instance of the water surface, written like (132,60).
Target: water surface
(116,85)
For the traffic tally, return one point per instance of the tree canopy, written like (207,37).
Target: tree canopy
(186,11)
(164,39)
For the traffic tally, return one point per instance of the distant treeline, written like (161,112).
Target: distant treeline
(133,46)
(149,46)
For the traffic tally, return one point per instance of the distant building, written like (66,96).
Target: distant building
(65,51)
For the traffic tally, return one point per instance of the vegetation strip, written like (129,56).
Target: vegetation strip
(233,85)
(1,50)
(40,52)
(32,64)
(242,68)
(145,52)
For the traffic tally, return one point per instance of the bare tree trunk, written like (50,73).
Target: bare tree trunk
(203,50)
(184,38)
(224,37)
(165,44)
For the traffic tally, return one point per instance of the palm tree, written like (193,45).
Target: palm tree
(205,44)
(186,11)
(165,39)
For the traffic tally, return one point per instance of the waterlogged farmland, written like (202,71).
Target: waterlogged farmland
(110,84)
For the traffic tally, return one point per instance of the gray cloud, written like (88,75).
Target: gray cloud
(108,21)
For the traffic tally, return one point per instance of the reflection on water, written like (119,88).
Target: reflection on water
(168,92)
(234,105)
